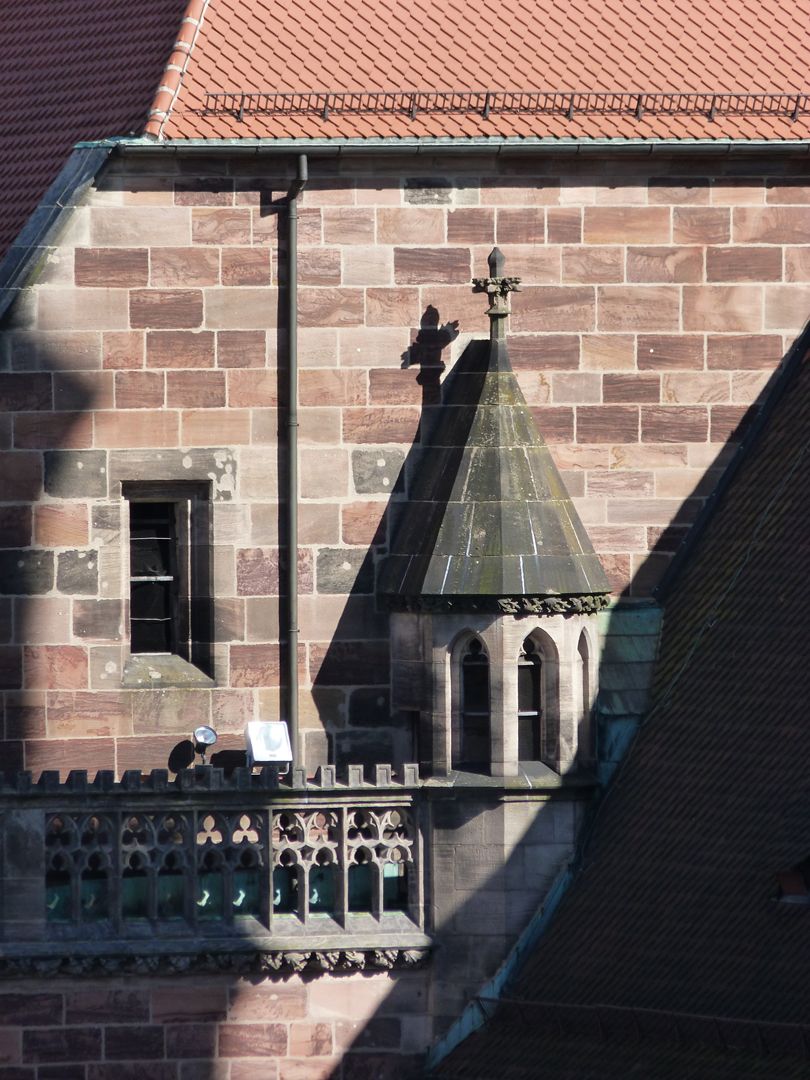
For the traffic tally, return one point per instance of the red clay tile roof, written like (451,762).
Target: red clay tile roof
(719,46)
(72,71)
(675,906)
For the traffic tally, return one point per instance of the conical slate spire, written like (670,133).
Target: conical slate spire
(488,524)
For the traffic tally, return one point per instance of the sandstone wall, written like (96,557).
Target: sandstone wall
(658,297)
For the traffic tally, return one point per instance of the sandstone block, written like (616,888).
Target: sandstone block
(241,348)
(173,268)
(376,471)
(508,191)
(619,389)
(689,191)
(659,351)
(391,386)
(665,264)
(471,225)
(229,427)
(626,224)
(139,389)
(221,226)
(392,307)
(350,663)
(82,309)
(607,423)
(638,307)
(555,308)
(147,226)
(46,431)
(25,393)
(738,263)
(348,225)
(252,389)
(331,307)
(686,388)
(701,225)
(246,308)
(165,309)
(245,266)
(254,665)
(252,1040)
(344,570)
(722,307)
(674,423)
(111,267)
(577,388)
(591,265)
(122,349)
(197,389)
(556,423)
(77,572)
(547,352)
(410,225)
(97,620)
(15,526)
(728,352)
(730,422)
(364,523)
(136,427)
(204,191)
(421,265)
(75,474)
(89,714)
(380,425)
(316,266)
(786,306)
(364,264)
(179,349)
(526,226)
(608,352)
(26,572)
(166,711)
(772,225)
(564,225)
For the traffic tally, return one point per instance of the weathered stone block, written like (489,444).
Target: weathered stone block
(26,572)
(344,570)
(428,191)
(76,474)
(98,620)
(77,571)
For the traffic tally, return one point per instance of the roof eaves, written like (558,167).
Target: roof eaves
(172,79)
(47,221)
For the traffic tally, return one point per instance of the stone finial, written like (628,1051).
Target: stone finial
(497,286)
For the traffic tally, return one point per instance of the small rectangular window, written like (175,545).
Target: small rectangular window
(170,608)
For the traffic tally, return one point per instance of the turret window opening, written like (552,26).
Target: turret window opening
(530,702)
(474,748)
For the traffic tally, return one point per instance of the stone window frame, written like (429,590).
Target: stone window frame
(458,649)
(191,664)
(585,668)
(549,704)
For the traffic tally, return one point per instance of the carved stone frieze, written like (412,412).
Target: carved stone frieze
(500,605)
(258,962)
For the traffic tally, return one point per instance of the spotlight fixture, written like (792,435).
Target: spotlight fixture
(203,738)
(268,743)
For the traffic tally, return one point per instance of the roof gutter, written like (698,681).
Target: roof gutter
(497,145)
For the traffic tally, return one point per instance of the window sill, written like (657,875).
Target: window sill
(144,672)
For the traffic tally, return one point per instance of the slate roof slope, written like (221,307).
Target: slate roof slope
(69,72)
(719,46)
(674,907)
(488,518)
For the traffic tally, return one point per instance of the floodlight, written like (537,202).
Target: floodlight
(268,742)
(203,738)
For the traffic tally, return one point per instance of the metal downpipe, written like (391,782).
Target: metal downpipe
(291,492)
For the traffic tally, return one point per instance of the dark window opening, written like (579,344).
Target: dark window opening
(154,577)
(474,750)
(530,711)
(793,886)
(170,612)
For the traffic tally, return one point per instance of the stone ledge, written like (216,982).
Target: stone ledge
(159,672)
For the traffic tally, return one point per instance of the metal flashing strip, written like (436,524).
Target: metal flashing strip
(340,147)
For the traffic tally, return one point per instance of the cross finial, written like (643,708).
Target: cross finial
(497,286)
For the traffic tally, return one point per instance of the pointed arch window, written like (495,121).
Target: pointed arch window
(474,744)
(530,702)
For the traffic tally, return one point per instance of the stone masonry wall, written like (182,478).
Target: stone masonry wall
(213,1028)
(658,296)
